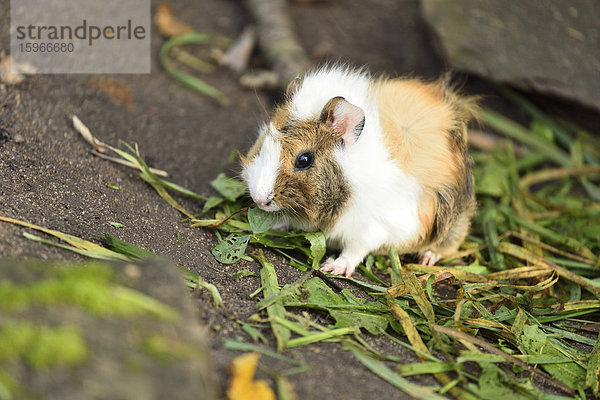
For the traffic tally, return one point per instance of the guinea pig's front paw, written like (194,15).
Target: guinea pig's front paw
(339,266)
(429,258)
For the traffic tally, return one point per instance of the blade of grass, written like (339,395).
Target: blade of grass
(423,352)
(466,355)
(381,370)
(519,252)
(415,289)
(517,132)
(491,235)
(86,253)
(92,248)
(268,279)
(187,80)
(569,242)
(429,367)
(125,248)
(285,390)
(552,248)
(562,135)
(212,289)
(317,337)
(235,345)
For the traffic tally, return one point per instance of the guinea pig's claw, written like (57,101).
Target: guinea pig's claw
(339,266)
(429,258)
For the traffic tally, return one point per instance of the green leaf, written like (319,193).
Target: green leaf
(593,369)
(492,179)
(260,220)
(116,224)
(346,309)
(231,249)
(228,187)
(535,341)
(494,385)
(317,247)
(211,203)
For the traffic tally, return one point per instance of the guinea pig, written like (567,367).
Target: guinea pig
(375,163)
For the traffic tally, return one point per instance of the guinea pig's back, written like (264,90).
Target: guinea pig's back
(424,127)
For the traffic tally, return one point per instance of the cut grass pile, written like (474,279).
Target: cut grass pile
(520,303)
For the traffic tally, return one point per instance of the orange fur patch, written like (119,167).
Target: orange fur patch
(416,120)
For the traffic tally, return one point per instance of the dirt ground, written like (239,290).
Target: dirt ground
(51,179)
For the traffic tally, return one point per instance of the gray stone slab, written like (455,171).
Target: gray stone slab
(551,46)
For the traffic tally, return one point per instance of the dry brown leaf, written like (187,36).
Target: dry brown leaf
(118,93)
(87,135)
(242,385)
(166,22)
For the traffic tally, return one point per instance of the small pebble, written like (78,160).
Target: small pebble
(18,138)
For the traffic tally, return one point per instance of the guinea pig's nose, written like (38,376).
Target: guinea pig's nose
(264,203)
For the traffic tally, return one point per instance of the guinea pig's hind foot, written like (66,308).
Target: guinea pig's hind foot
(339,266)
(429,258)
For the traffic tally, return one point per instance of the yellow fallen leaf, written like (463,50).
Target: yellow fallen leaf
(242,385)
(168,25)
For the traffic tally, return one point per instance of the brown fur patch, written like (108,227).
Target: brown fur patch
(281,118)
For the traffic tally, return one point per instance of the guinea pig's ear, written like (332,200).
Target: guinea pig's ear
(345,118)
(293,87)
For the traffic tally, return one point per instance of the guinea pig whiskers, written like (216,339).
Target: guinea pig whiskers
(302,207)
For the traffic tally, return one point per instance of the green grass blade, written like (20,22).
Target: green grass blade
(268,278)
(517,132)
(187,80)
(89,247)
(125,248)
(381,370)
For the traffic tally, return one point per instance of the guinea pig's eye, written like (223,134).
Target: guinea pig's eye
(304,160)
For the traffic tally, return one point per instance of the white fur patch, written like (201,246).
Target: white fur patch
(384,209)
(320,86)
(262,171)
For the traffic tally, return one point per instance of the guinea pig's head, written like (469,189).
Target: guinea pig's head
(293,168)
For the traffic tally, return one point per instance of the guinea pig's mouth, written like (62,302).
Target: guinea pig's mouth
(272,207)
(267,204)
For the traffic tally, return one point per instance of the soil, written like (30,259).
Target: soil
(51,179)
